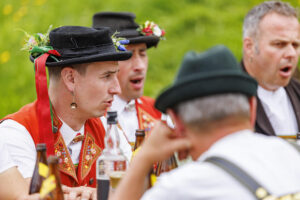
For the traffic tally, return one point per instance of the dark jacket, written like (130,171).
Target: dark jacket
(262,124)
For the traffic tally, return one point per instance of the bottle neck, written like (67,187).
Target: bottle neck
(41,157)
(112,137)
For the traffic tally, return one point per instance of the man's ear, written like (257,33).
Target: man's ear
(248,47)
(68,78)
(179,126)
(253,106)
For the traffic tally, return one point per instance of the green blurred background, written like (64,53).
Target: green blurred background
(189,24)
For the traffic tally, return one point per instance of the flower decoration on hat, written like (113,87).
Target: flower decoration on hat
(38,44)
(119,42)
(150,28)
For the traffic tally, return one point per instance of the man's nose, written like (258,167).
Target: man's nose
(138,63)
(115,88)
(291,51)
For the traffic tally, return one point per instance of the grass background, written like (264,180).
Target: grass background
(190,25)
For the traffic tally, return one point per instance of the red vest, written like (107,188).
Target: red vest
(92,145)
(146,113)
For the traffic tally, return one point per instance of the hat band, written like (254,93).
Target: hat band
(86,51)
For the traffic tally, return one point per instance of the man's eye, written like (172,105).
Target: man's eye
(296,45)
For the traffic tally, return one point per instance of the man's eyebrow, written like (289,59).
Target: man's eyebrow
(110,72)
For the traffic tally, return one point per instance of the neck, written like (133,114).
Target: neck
(60,98)
(125,98)
(203,139)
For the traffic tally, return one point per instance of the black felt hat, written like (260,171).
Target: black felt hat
(77,44)
(123,22)
(215,71)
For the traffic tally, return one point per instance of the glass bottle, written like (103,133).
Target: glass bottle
(111,165)
(166,165)
(40,170)
(139,138)
(51,186)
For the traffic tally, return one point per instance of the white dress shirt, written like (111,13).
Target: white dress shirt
(68,135)
(269,160)
(5,158)
(127,116)
(279,110)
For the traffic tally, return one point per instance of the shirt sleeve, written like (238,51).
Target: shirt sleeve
(5,158)
(20,146)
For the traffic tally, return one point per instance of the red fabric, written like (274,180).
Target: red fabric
(148,106)
(43,104)
(27,116)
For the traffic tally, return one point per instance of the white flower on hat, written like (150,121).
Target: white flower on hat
(156,31)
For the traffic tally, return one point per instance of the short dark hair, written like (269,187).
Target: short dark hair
(55,72)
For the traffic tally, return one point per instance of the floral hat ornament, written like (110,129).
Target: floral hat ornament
(124,24)
(150,28)
(65,46)
(119,42)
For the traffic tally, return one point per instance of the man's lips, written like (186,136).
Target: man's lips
(109,102)
(286,71)
(137,82)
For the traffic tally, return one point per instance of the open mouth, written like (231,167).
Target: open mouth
(286,71)
(136,81)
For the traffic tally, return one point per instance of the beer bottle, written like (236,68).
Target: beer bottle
(40,170)
(166,165)
(111,165)
(51,187)
(139,138)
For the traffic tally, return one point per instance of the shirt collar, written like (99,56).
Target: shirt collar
(68,133)
(118,104)
(270,95)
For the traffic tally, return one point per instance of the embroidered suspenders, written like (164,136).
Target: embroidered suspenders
(250,183)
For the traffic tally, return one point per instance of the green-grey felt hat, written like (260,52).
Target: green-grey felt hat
(214,71)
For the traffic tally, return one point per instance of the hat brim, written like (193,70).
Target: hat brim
(207,85)
(135,37)
(151,41)
(117,56)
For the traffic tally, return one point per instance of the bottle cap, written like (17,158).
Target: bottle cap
(112,117)
(41,147)
(140,132)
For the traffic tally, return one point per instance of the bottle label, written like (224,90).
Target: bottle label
(48,186)
(120,165)
(43,170)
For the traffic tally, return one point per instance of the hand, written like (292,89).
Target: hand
(162,143)
(79,193)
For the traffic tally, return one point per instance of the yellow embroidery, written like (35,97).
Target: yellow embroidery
(65,161)
(91,151)
(146,121)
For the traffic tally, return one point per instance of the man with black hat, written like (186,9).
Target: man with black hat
(82,65)
(270,55)
(135,111)
(212,102)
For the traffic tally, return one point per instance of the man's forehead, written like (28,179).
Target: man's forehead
(136,46)
(279,26)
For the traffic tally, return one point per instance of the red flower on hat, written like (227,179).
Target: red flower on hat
(150,28)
